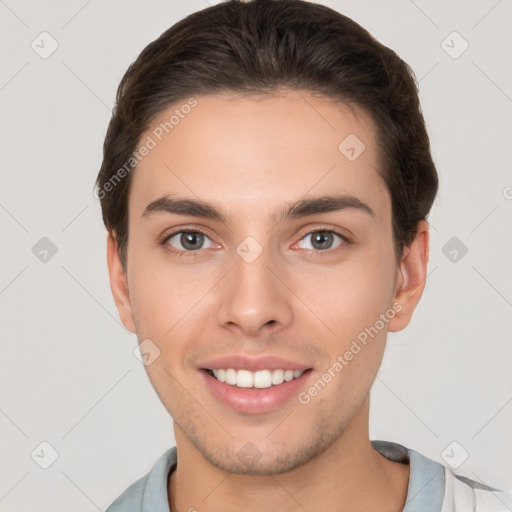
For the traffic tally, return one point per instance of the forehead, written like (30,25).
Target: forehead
(255,152)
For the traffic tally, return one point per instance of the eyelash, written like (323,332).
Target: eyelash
(178,252)
(317,253)
(181,253)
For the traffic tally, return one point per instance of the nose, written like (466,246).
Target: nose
(252,299)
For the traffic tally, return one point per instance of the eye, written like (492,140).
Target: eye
(186,241)
(323,240)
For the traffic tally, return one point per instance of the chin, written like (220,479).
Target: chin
(268,459)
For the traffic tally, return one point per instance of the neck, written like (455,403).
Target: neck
(349,475)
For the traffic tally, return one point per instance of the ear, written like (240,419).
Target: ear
(119,284)
(411,276)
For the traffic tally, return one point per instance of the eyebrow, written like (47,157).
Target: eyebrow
(296,210)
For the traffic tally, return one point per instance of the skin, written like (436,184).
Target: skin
(250,156)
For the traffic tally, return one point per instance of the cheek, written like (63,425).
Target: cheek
(354,306)
(353,296)
(169,296)
(165,297)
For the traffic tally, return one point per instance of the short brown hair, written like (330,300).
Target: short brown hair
(262,46)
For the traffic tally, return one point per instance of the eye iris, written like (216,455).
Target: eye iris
(191,240)
(322,239)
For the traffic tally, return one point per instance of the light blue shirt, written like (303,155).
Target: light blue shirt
(432,487)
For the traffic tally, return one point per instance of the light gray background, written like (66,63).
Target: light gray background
(68,373)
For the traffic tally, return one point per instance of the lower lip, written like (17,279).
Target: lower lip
(255,400)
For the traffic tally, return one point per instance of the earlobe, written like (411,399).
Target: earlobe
(411,278)
(118,284)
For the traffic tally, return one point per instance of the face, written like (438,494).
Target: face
(261,253)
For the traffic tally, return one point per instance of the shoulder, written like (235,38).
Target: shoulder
(462,493)
(131,499)
(433,486)
(148,493)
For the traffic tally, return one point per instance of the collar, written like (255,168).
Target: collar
(425,491)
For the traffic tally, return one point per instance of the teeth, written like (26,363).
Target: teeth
(244,379)
(263,379)
(260,379)
(230,377)
(277,377)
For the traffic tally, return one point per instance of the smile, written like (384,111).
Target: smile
(260,379)
(255,392)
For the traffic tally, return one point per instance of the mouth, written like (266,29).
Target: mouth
(255,392)
(260,379)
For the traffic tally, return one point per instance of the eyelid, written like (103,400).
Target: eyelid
(322,227)
(180,252)
(164,239)
(345,239)
(189,228)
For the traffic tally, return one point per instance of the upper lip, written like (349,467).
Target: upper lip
(253,364)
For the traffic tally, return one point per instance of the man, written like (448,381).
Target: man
(265,185)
